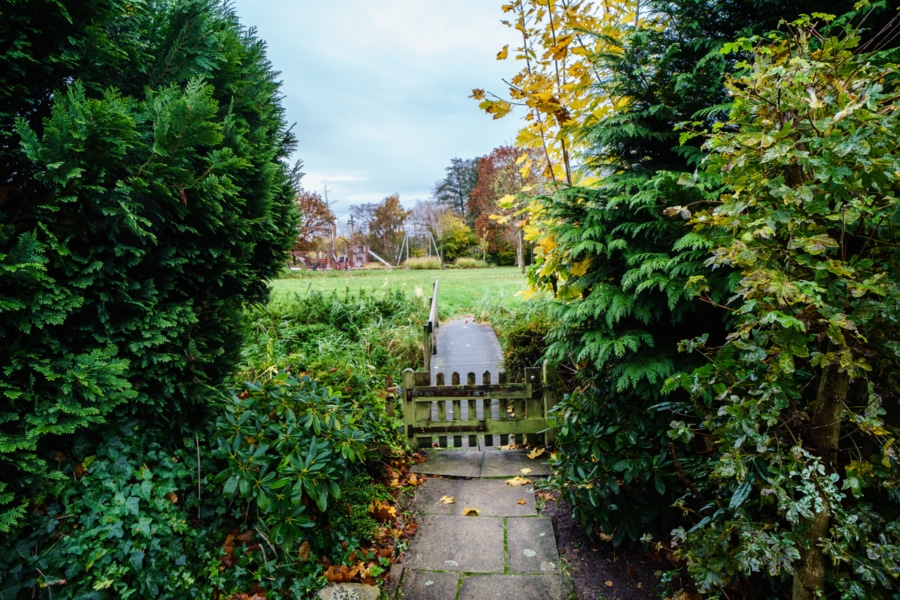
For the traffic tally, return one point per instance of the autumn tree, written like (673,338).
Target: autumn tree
(555,84)
(316,218)
(502,184)
(386,227)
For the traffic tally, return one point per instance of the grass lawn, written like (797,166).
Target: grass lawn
(459,290)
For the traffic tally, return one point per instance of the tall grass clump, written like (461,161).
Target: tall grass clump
(467,262)
(423,263)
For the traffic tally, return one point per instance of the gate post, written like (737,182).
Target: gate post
(428,344)
(550,397)
(409,407)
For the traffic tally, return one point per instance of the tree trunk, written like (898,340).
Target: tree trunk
(824,435)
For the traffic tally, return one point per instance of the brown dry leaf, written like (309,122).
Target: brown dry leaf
(337,573)
(172,497)
(517,481)
(303,553)
(471,512)
(448,499)
(521,501)
(536,452)
(609,584)
(525,471)
(245,536)
(415,479)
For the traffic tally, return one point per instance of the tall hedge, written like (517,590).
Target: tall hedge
(143,200)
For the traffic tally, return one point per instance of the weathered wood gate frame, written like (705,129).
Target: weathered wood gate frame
(520,409)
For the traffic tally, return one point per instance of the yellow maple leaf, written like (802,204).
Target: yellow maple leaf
(580,268)
(471,512)
(477,94)
(524,470)
(517,481)
(503,53)
(521,501)
(535,453)
(448,499)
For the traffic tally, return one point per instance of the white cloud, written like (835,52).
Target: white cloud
(378,90)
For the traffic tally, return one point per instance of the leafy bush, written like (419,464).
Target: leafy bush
(290,445)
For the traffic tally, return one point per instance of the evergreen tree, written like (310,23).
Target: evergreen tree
(144,200)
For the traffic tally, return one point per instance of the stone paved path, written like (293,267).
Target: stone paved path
(507,551)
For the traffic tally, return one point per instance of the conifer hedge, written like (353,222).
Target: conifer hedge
(143,200)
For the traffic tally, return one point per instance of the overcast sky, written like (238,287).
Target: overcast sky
(378,91)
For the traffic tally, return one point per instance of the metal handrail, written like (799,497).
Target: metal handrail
(430,328)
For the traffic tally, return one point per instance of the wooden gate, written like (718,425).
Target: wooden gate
(445,414)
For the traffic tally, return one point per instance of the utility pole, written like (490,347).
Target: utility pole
(328,205)
(351,241)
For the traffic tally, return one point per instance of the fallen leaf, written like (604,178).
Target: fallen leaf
(382,512)
(448,499)
(517,481)
(303,554)
(337,573)
(609,584)
(536,452)
(521,501)
(471,512)
(525,471)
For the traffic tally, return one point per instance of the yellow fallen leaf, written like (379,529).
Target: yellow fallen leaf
(525,471)
(517,481)
(448,499)
(535,453)
(609,584)
(521,501)
(471,512)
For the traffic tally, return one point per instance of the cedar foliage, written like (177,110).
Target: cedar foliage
(627,273)
(144,200)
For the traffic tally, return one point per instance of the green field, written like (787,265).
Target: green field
(460,290)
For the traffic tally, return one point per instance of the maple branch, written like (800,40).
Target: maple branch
(559,91)
(536,112)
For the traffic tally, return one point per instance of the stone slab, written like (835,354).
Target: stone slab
(430,585)
(520,587)
(429,494)
(449,543)
(492,497)
(451,463)
(532,545)
(509,463)
(349,591)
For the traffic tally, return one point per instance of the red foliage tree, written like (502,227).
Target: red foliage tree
(499,175)
(316,219)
